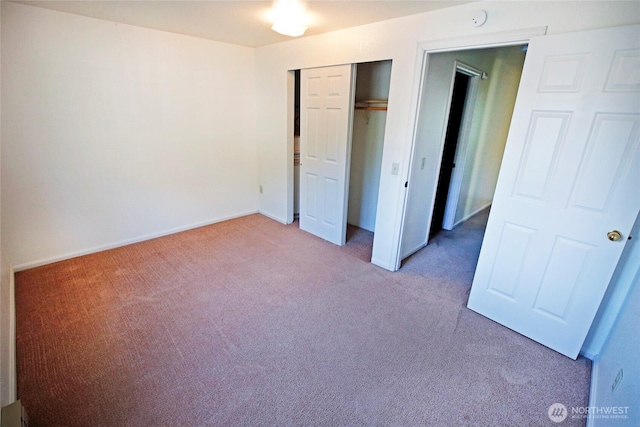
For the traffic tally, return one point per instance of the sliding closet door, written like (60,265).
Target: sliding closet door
(326,111)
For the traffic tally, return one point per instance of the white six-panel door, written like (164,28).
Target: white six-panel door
(326,111)
(570,175)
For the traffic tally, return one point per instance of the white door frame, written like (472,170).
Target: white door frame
(453,193)
(499,39)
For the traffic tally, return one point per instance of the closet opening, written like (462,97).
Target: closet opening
(364,159)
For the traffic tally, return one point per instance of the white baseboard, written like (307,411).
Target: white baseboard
(273,217)
(382,264)
(13,368)
(69,255)
(414,250)
(588,353)
(9,384)
(593,386)
(468,216)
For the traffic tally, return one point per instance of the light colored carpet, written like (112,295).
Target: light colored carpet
(251,322)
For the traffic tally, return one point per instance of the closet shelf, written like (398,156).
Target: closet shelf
(372,104)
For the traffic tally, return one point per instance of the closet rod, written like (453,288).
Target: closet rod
(370,104)
(372,108)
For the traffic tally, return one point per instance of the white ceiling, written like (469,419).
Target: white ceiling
(238,21)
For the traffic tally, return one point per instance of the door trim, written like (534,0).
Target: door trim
(498,39)
(453,193)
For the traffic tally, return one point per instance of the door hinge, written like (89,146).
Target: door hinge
(406,184)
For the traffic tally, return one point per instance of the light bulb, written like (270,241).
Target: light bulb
(290,18)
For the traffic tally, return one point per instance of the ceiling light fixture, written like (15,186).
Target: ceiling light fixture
(290,18)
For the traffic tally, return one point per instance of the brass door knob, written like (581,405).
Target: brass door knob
(614,235)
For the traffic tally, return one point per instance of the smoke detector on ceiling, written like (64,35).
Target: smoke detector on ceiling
(479,18)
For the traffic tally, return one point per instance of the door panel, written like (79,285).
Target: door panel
(594,187)
(570,174)
(326,106)
(544,138)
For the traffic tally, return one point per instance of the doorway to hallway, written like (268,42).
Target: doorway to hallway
(462,121)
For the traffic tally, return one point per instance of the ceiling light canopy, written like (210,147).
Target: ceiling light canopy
(290,18)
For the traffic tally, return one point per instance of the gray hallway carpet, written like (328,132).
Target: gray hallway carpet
(253,323)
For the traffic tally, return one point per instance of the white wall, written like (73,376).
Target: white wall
(485,153)
(398,40)
(372,82)
(113,133)
(620,351)
(5,299)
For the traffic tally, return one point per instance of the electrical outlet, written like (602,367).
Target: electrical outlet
(395,167)
(261,189)
(616,381)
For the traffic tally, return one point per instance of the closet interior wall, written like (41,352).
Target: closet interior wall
(372,92)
